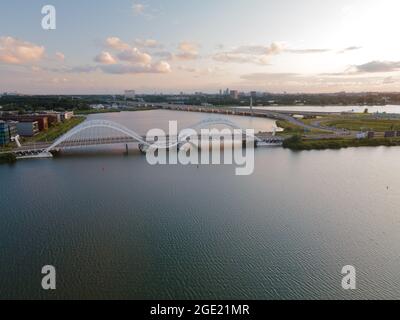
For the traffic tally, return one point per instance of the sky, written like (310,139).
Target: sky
(155,46)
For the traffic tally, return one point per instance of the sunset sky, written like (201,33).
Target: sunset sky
(180,45)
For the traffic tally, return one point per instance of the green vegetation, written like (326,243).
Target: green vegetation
(290,129)
(56,130)
(364,124)
(297,143)
(7,158)
(35,103)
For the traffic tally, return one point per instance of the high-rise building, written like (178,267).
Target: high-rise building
(7,131)
(4,134)
(234,94)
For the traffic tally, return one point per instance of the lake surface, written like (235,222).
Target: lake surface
(116,227)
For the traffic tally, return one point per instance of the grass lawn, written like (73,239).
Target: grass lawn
(56,130)
(291,129)
(296,143)
(364,124)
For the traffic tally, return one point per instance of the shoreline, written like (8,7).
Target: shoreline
(297,143)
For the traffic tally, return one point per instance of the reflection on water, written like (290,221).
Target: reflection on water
(143,121)
(116,227)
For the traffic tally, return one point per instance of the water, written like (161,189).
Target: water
(141,122)
(116,227)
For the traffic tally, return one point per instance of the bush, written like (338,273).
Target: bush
(7,158)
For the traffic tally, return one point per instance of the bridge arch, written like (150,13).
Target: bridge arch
(77,134)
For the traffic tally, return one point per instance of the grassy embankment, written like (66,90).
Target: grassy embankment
(298,143)
(364,124)
(7,158)
(51,134)
(56,130)
(291,129)
(355,123)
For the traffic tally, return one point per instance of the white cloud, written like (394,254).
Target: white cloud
(105,58)
(159,67)
(188,51)
(166,55)
(147,43)
(229,57)
(14,51)
(352,48)
(255,54)
(295,82)
(129,60)
(60,56)
(135,56)
(261,55)
(116,44)
(138,9)
(375,67)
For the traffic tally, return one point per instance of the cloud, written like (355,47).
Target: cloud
(166,55)
(269,76)
(228,57)
(116,44)
(307,51)
(159,67)
(374,67)
(255,54)
(125,52)
(138,9)
(188,51)
(135,56)
(202,71)
(353,48)
(60,56)
(14,51)
(82,69)
(105,58)
(262,54)
(129,60)
(389,80)
(76,69)
(295,82)
(147,43)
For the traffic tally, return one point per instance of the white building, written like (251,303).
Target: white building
(97,106)
(67,115)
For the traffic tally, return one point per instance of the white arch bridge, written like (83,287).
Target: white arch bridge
(104,132)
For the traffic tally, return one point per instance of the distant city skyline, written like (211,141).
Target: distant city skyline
(153,46)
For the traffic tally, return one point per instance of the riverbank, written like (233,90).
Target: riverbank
(298,143)
(7,158)
(56,130)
